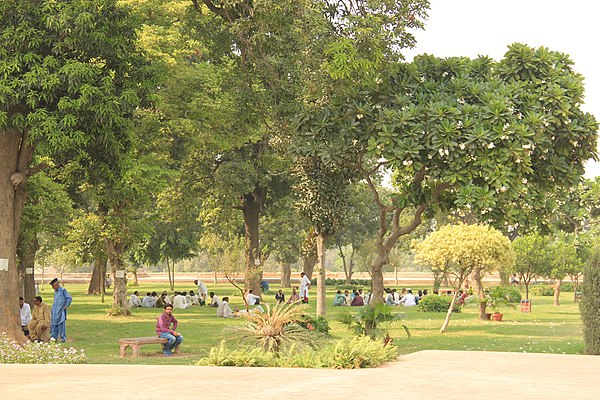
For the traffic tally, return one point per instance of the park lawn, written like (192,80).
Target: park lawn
(548,329)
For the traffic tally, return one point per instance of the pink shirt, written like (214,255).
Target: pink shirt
(163,324)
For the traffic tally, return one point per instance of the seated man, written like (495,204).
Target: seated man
(339,299)
(148,301)
(180,301)
(357,301)
(161,301)
(223,309)
(165,331)
(214,300)
(409,299)
(39,327)
(347,297)
(389,298)
(252,299)
(25,316)
(194,298)
(134,300)
(280,297)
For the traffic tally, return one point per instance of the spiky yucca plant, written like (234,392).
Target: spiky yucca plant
(276,328)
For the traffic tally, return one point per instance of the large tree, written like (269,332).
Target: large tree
(66,81)
(486,139)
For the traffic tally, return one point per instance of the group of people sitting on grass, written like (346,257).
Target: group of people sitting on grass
(356,298)
(180,300)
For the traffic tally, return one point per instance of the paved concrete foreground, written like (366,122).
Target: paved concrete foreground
(441,374)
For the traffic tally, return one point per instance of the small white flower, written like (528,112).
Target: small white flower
(503,189)
(407,163)
(491,145)
(524,180)
(422,79)
(462,146)
(518,161)
(527,146)
(359,116)
(445,74)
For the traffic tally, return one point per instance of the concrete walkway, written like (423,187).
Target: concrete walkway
(423,375)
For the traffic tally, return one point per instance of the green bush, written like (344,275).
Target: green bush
(354,283)
(567,287)
(349,353)
(318,324)
(590,304)
(435,303)
(509,293)
(542,289)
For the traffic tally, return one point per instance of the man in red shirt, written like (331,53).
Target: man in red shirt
(165,331)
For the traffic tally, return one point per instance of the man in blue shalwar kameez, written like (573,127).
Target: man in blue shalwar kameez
(58,320)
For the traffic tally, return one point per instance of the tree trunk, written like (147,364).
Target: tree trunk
(286,273)
(557,284)
(15,157)
(96,285)
(504,278)
(526,290)
(321,305)
(115,251)
(478,288)
(251,209)
(135,277)
(575,286)
(27,249)
(437,280)
(377,275)
(449,313)
(215,280)
(309,258)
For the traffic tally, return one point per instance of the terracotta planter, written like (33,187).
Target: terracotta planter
(497,317)
(487,316)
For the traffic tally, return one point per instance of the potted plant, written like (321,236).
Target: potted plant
(495,299)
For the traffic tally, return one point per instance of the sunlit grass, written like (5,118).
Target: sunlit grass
(548,329)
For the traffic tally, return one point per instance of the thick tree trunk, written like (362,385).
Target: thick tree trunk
(504,278)
(251,209)
(557,284)
(115,251)
(286,273)
(321,300)
(96,285)
(478,288)
(27,250)
(377,275)
(15,157)
(437,280)
(135,277)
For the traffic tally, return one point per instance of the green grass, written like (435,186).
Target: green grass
(548,329)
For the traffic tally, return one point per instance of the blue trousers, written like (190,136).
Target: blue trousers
(59,330)
(173,341)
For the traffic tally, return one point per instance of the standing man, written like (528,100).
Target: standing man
(202,291)
(39,327)
(165,331)
(58,321)
(25,316)
(304,286)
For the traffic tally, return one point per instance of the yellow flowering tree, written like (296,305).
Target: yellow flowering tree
(458,249)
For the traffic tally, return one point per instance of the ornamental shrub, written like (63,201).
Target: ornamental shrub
(542,290)
(348,353)
(435,303)
(38,353)
(318,324)
(510,293)
(567,287)
(590,304)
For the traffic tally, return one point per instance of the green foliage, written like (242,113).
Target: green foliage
(542,289)
(372,321)
(349,353)
(435,303)
(354,283)
(318,324)
(276,328)
(590,304)
(512,294)
(38,353)
(567,287)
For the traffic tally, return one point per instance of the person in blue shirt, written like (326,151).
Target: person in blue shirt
(58,317)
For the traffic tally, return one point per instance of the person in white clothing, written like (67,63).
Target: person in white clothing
(202,291)
(194,298)
(223,310)
(389,298)
(25,315)
(252,299)
(134,300)
(409,299)
(214,300)
(148,301)
(304,286)
(180,302)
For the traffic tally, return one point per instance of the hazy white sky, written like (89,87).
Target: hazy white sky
(473,27)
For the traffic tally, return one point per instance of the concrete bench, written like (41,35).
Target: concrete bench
(136,343)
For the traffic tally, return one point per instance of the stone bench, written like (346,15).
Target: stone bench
(136,343)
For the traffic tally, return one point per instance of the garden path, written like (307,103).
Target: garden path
(427,374)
